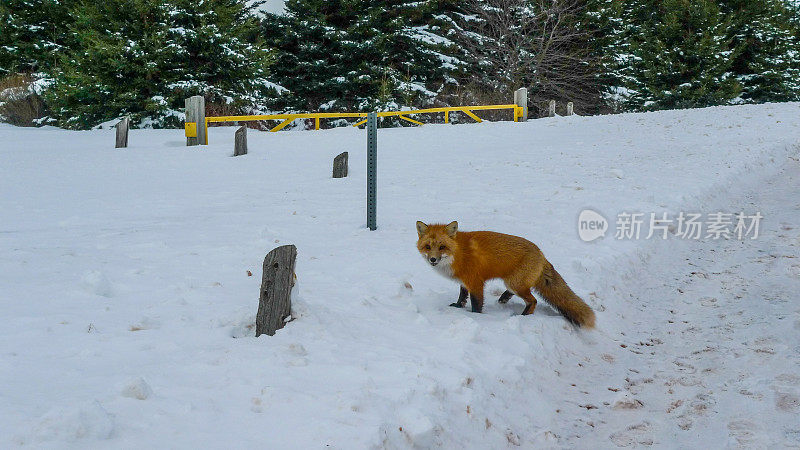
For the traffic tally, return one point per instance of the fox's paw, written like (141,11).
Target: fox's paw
(457,305)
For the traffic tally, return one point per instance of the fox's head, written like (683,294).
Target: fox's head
(437,242)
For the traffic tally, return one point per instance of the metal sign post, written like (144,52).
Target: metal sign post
(372,169)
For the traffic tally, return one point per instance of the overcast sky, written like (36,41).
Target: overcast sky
(273,6)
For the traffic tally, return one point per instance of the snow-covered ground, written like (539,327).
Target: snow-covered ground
(128,311)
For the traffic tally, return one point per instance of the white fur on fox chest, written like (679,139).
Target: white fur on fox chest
(445,267)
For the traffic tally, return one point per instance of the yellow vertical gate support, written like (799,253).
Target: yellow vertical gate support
(316,123)
(447,117)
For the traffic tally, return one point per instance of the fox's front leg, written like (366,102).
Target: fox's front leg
(462,298)
(476,298)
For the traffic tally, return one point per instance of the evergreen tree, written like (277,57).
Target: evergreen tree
(765,49)
(596,21)
(674,54)
(144,57)
(32,34)
(608,44)
(359,54)
(794,9)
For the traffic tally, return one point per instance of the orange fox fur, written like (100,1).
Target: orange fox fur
(472,258)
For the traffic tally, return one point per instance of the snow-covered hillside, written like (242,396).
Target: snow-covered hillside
(128,311)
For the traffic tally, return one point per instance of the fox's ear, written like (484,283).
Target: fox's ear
(451,228)
(421,228)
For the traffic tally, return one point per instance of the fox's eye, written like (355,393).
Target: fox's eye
(442,247)
(427,247)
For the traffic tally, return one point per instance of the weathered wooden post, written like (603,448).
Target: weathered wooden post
(240,141)
(521,99)
(569,109)
(122,132)
(340,165)
(274,302)
(196,131)
(551,110)
(372,169)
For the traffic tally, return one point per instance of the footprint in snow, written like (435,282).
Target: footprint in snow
(786,402)
(742,433)
(788,378)
(637,434)
(709,301)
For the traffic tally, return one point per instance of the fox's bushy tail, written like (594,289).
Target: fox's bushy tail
(555,291)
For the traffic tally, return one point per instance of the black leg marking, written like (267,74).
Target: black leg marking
(529,307)
(477,303)
(462,298)
(505,297)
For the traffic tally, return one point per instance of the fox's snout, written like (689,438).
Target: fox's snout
(434,257)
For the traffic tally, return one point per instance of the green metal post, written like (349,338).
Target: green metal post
(372,169)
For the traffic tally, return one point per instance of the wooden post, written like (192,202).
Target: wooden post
(196,113)
(275,303)
(122,132)
(372,170)
(240,141)
(521,99)
(551,111)
(340,165)
(569,109)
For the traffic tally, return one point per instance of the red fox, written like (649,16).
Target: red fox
(472,258)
